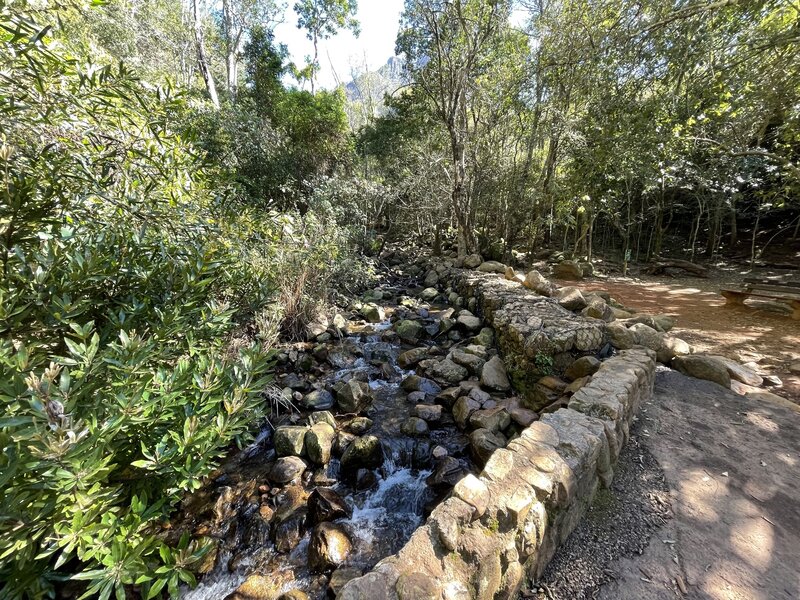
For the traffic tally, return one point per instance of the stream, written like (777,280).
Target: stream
(385,504)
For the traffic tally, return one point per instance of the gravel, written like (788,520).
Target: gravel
(619,524)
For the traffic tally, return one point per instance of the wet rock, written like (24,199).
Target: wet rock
(493,419)
(448,372)
(429,294)
(492,266)
(326,505)
(286,469)
(539,283)
(469,321)
(318,400)
(353,396)
(415,383)
(408,330)
(290,440)
(468,360)
(463,409)
(431,413)
(328,548)
(322,416)
(421,454)
(366,480)
(447,473)
(340,577)
(493,375)
(360,425)
(448,397)
(585,365)
(319,442)
(256,587)
(364,452)
(290,531)
(703,367)
(414,426)
(570,298)
(411,357)
(568,269)
(343,440)
(482,443)
(472,261)
(372,313)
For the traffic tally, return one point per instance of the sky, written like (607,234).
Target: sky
(338,55)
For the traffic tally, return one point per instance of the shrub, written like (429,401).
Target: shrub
(122,283)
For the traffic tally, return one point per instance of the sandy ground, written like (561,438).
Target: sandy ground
(731,466)
(761,331)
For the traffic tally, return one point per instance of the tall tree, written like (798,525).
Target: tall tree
(202,57)
(239,17)
(322,19)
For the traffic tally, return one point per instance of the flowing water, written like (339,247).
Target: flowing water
(383,516)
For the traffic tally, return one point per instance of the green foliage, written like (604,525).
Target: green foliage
(122,275)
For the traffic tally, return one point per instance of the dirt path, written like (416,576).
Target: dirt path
(732,468)
(730,472)
(761,332)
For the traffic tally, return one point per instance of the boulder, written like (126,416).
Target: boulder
(326,505)
(483,443)
(510,273)
(646,336)
(485,338)
(431,279)
(577,384)
(463,409)
(408,330)
(619,336)
(353,396)
(740,372)
(447,473)
(359,425)
(474,492)
(256,587)
(317,400)
(322,416)
(568,269)
(365,452)
(431,413)
(492,266)
(670,348)
(466,359)
(585,365)
(286,469)
(472,261)
(290,440)
(538,283)
(372,313)
(411,357)
(469,321)
(596,308)
(415,383)
(340,577)
(493,419)
(570,298)
(414,426)
(328,547)
(522,416)
(703,367)
(293,595)
(493,375)
(319,442)
(340,323)
(448,372)
(429,294)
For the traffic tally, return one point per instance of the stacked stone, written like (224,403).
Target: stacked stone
(497,528)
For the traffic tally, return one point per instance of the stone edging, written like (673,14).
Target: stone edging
(495,529)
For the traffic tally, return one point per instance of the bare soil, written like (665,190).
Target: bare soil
(762,331)
(731,466)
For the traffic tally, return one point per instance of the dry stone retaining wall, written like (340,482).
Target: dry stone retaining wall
(498,528)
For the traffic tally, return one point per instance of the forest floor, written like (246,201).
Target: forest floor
(761,331)
(730,465)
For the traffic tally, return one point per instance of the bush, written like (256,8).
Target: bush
(122,285)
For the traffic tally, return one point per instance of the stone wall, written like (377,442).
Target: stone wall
(498,528)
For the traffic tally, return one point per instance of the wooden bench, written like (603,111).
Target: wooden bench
(788,292)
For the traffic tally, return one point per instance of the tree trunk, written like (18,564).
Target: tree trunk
(202,60)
